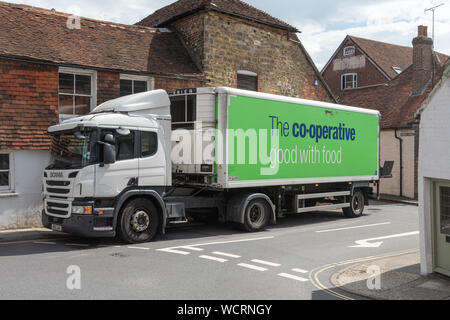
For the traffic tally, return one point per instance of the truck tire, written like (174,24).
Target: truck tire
(257,215)
(138,221)
(356,208)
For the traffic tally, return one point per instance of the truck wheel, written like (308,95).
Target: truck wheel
(356,208)
(257,215)
(138,221)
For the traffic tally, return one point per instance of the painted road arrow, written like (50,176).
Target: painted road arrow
(366,243)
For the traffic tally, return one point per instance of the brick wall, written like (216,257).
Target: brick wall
(170,85)
(230,44)
(28,103)
(108,86)
(368,74)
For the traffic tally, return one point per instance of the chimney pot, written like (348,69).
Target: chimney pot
(423,31)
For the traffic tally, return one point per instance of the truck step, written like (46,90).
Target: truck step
(181,221)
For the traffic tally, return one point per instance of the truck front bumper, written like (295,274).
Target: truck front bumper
(81,224)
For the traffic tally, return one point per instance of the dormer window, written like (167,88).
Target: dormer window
(349,51)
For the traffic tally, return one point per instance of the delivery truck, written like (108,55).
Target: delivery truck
(138,163)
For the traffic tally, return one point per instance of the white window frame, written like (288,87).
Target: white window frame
(83,72)
(347,49)
(150,80)
(11,186)
(354,81)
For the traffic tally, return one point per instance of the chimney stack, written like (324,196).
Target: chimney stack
(422,60)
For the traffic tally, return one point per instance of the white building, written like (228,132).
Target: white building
(434,178)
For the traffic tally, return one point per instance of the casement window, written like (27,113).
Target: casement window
(6,172)
(247,80)
(349,51)
(349,81)
(77,91)
(131,84)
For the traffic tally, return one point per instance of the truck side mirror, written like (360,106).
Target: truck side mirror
(109,138)
(109,153)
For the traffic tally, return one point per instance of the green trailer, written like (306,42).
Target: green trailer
(275,153)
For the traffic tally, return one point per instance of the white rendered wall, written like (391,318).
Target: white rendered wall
(434,162)
(22,207)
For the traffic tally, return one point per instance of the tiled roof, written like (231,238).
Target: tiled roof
(235,7)
(40,34)
(392,99)
(387,55)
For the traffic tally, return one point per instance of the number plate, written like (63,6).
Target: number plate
(56,227)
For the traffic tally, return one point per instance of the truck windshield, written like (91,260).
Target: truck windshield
(70,150)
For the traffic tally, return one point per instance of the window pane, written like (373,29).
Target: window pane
(177,109)
(126,87)
(445,210)
(140,86)
(4,161)
(83,84)
(125,147)
(191,110)
(247,82)
(149,143)
(66,83)
(65,105)
(82,105)
(4,179)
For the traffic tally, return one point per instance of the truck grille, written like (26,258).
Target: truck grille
(57,208)
(57,187)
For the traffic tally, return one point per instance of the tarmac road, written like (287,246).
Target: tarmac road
(292,260)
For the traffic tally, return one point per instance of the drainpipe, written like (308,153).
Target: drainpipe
(401,162)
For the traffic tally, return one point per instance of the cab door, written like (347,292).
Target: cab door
(152,160)
(112,179)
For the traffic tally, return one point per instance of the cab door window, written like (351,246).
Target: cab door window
(149,144)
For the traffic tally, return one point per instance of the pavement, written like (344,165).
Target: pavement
(398,276)
(389,198)
(293,260)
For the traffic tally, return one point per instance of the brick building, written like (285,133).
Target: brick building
(359,63)
(54,65)
(398,100)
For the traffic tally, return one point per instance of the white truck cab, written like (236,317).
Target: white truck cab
(121,145)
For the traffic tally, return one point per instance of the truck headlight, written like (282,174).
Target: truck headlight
(82,209)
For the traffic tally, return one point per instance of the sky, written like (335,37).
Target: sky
(323,23)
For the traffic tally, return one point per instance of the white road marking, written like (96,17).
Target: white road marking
(250,266)
(44,242)
(213,258)
(230,241)
(268,263)
(191,248)
(367,244)
(299,270)
(226,254)
(172,250)
(77,244)
(290,276)
(139,248)
(355,227)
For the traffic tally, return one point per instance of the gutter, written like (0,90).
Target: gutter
(401,161)
(55,64)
